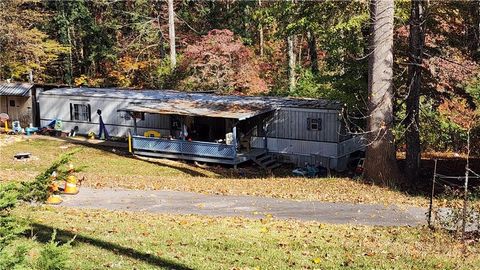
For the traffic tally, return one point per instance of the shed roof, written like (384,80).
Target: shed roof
(15,89)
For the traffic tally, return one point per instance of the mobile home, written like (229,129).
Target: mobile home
(208,127)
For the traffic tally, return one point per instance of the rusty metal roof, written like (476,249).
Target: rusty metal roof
(15,89)
(195,104)
(194,109)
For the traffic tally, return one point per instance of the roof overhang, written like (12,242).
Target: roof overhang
(205,109)
(15,89)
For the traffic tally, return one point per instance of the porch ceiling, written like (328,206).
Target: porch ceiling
(15,89)
(240,111)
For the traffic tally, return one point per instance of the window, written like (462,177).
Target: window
(12,102)
(314,123)
(80,112)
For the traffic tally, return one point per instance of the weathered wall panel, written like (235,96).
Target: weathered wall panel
(118,123)
(291,123)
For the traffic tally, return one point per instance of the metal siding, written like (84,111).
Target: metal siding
(313,152)
(291,123)
(55,107)
(297,146)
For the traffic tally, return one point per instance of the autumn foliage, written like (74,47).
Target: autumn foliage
(221,62)
(460,113)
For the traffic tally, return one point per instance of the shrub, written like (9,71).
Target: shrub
(38,189)
(13,256)
(54,256)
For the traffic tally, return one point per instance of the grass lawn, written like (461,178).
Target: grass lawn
(138,240)
(105,168)
(106,241)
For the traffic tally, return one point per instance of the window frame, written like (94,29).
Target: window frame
(314,121)
(79,115)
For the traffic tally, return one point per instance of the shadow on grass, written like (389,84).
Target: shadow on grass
(171,166)
(121,149)
(43,234)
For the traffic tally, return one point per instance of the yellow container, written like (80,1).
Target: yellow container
(71,179)
(70,188)
(152,134)
(54,199)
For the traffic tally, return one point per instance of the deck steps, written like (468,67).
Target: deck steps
(273,166)
(267,162)
(264,158)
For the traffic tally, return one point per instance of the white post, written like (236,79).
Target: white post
(134,125)
(234,143)
(234,133)
(465,195)
(171,34)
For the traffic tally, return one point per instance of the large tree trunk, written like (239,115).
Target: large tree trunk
(380,162)
(291,63)
(412,134)
(291,60)
(312,48)
(171,34)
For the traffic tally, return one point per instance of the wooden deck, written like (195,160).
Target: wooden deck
(241,157)
(193,150)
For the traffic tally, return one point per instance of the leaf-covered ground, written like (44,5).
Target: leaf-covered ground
(105,168)
(147,241)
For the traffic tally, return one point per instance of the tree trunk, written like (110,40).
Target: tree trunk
(291,63)
(312,49)
(412,134)
(380,162)
(299,50)
(260,32)
(171,34)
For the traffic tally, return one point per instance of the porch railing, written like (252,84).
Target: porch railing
(181,147)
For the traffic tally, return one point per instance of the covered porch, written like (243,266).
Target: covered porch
(205,132)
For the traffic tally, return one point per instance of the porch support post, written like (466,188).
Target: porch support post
(130,146)
(134,123)
(234,135)
(265,143)
(182,126)
(182,133)
(135,126)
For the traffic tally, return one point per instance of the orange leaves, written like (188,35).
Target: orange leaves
(128,64)
(459,112)
(126,69)
(221,62)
